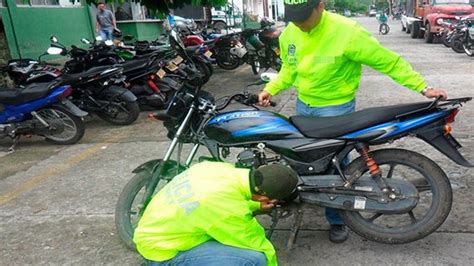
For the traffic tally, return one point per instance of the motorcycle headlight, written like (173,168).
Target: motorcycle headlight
(439,21)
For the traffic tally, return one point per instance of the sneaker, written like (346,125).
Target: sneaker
(338,233)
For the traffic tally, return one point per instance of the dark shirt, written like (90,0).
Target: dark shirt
(105,19)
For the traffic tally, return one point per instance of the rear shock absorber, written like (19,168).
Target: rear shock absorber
(372,165)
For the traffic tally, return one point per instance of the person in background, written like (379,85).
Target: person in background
(120,14)
(205,216)
(105,22)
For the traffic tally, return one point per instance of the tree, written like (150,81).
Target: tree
(163,6)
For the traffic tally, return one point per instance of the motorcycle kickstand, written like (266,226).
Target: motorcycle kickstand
(295,229)
(11,149)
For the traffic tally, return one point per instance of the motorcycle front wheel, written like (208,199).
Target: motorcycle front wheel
(434,202)
(384,28)
(456,43)
(130,204)
(255,66)
(468,49)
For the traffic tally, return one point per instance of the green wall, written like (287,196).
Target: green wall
(28,28)
(143,31)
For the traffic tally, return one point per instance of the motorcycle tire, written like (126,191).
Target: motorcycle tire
(132,191)
(384,29)
(55,114)
(456,43)
(226,61)
(132,110)
(445,39)
(433,180)
(203,69)
(256,67)
(468,50)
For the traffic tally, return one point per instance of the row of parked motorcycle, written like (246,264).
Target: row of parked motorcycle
(116,81)
(459,35)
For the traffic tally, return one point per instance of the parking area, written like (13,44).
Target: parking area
(57,202)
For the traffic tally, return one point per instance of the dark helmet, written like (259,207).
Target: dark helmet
(266,22)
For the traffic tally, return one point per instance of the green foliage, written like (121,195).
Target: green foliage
(360,6)
(163,6)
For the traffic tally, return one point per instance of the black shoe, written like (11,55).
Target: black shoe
(338,233)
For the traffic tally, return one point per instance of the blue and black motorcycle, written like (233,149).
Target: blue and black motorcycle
(387,195)
(40,109)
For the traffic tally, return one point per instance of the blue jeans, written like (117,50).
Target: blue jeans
(213,253)
(106,34)
(332,215)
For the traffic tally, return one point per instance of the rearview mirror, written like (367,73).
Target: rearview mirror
(54,50)
(53,39)
(86,41)
(267,77)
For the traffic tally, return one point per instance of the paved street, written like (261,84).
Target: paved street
(57,203)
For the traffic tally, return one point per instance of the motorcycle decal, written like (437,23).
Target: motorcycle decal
(234,115)
(272,126)
(395,128)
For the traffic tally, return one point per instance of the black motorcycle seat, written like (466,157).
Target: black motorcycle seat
(68,77)
(135,64)
(30,92)
(208,42)
(336,126)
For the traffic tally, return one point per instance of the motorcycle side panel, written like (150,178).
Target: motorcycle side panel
(245,126)
(17,113)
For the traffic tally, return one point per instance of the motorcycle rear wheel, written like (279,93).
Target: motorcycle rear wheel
(130,110)
(404,228)
(469,50)
(72,126)
(226,60)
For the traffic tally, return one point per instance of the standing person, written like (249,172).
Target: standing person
(204,216)
(105,22)
(322,55)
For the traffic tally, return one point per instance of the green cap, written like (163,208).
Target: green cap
(275,181)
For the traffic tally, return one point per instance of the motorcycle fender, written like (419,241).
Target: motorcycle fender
(73,108)
(122,93)
(148,166)
(444,143)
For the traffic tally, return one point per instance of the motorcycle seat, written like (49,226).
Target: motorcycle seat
(135,64)
(28,93)
(75,77)
(336,126)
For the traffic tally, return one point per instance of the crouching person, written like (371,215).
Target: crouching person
(204,216)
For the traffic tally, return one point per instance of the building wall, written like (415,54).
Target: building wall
(28,29)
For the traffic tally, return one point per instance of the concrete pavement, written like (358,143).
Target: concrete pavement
(57,203)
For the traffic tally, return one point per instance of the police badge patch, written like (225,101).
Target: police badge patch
(292,61)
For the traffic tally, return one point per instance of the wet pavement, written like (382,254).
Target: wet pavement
(57,202)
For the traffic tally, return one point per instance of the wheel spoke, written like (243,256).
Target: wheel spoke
(390,171)
(375,216)
(412,217)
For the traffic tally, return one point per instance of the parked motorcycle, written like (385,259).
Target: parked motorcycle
(468,40)
(262,47)
(389,195)
(40,109)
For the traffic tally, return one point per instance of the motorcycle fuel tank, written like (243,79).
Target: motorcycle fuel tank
(245,126)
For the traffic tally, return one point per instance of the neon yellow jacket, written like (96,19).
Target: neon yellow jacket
(325,64)
(208,201)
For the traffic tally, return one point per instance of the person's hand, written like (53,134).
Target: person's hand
(433,93)
(264,98)
(266,204)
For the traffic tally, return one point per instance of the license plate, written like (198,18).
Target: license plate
(277,51)
(161,73)
(208,54)
(172,67)
(178,60)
